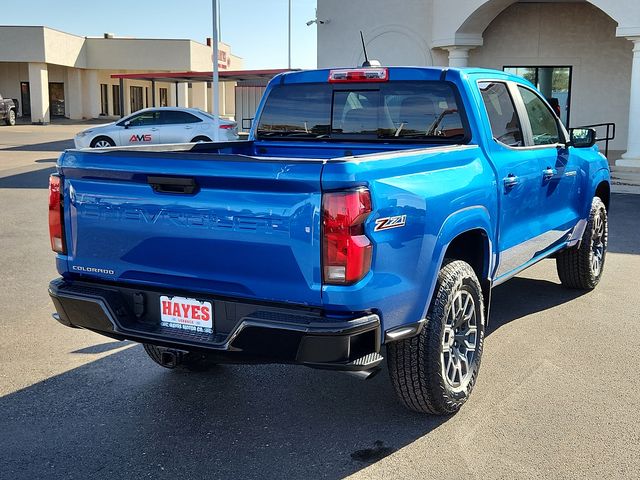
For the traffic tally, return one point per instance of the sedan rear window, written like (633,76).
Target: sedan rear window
(423,111)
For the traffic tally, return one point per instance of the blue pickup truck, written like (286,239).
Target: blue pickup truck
(371,207)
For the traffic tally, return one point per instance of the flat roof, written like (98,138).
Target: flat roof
(225,76)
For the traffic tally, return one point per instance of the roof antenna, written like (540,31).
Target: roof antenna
(367,63)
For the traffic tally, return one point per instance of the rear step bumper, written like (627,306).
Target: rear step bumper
(243,332)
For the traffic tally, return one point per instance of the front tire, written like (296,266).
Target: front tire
(435,371)
(11,118)
(581,267)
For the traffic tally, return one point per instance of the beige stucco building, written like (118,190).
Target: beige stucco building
(584,54)
(56,74)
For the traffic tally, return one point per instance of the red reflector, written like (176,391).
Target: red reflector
(56,233)
(352,75)
(346,250)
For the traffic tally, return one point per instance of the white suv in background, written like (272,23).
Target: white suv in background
(157,125)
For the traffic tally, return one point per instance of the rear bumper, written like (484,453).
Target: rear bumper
(242,332)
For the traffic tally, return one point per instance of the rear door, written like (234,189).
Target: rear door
(178,127)
(245,228)
(140,129)
(519,180)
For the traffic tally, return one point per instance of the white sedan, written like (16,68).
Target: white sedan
(157,125)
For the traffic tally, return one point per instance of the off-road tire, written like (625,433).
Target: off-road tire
(192,361)
(11,118)
(95,141)
(576,265)
(416,364)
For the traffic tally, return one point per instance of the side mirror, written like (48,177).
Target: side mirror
(127,123)
(582,137)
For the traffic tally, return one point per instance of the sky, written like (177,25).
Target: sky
(255,29)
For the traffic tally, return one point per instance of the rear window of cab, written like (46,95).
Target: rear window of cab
(422,111)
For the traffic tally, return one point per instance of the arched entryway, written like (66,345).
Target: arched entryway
(590,37)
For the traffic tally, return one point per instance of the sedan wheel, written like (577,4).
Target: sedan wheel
(102,142)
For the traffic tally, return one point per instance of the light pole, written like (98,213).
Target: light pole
(215,92)
(289,63)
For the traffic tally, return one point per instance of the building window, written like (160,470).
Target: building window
(146,97)
(117,107)
(553,82)
(137,99)
(164,97)
(104,99)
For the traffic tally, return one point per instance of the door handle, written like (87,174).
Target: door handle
(510,181)
(549,173)
(154,129)
(188,127)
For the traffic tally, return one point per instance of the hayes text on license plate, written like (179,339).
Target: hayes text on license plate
(186,314)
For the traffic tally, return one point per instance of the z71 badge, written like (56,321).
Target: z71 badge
(390,222)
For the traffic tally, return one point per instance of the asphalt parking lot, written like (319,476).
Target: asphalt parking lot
(558,394)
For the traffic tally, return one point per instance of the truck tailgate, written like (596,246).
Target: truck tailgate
(250,228)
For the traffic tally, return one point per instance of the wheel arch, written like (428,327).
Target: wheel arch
(204,138)
(99,137)
(603,191)
(600,187)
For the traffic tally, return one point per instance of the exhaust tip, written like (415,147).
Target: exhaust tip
(169,359)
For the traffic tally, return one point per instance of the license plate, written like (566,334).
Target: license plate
(186,314)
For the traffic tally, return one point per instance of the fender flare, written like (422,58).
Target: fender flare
(602,175)
(476,217)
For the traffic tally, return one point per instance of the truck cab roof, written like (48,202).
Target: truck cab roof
(402,73)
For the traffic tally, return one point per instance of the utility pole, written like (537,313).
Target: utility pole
(215,92)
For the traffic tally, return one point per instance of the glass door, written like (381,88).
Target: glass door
(117,108)
(104,99)
(553,82)
(137,99)
(56,99)
(25,99)
(164,97)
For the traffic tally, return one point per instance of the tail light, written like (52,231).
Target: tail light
(227,126)
(346,250)
(56,220)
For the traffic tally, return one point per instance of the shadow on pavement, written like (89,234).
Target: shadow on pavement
(520,297)
(32,179)
(122,416)
(55,146)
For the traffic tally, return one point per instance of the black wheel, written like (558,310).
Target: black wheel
(173,359)
(102,142)
(11,118)
(200,138)
(581,267)
(435,371)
